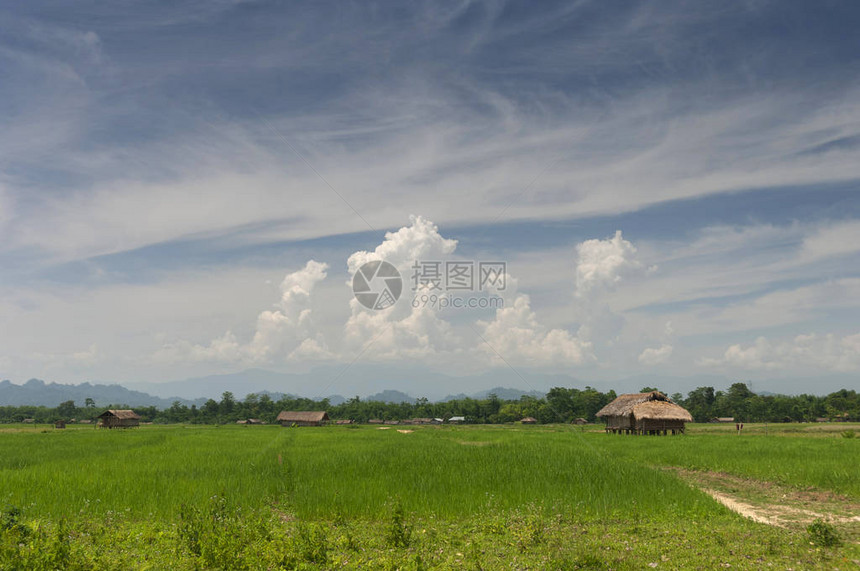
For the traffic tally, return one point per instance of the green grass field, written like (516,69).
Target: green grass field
(482,497)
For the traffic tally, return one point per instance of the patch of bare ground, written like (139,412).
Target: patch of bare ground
(776,504)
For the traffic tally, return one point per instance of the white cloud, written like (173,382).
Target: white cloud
(286,333)
(402,331)
(829,352)
(516,335)
(420,240)
(602,263)
(832,240)
(656,356)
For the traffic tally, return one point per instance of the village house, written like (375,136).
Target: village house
(303,418)
(118,418)
(644,413)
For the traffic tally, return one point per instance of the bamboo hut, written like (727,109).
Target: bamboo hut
(644,413)
(529,420)
(118,419)
(303,418)
(60,424)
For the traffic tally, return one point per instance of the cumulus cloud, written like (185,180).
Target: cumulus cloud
(285,333)
(656,356)
(517,336)
(290,327)
(828,351)
(417,332)
(602,263)
(402,331)
(420,240)
(222,349)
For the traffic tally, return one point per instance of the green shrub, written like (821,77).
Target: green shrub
(398,533)
(311,543)
(823,534)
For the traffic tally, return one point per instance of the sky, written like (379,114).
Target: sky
(188,188)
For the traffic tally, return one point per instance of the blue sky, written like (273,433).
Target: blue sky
(186,188)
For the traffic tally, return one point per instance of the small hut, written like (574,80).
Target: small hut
(119,419)
(644,413)
(344,421)
(579,421)
(302,418)
(529,420)
(375,421)
(60,424)
(457,419)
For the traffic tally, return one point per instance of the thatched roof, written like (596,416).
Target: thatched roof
(121,414)
(302,416)
(661,410)
(623,405)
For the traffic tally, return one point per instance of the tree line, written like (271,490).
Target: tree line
(560,404)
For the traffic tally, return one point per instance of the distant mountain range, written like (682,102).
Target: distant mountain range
(386,384)
(359,380)
(39,393)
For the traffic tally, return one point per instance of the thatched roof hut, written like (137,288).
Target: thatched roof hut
(303,418)
(344,421)
(119,418)
(60,424)
(529,420)
(644,413)
(580,421)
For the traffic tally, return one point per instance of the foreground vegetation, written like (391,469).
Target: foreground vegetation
(488,497)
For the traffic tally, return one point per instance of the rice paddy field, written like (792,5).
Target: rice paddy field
(423,497)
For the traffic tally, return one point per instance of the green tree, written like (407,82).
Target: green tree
(67,409)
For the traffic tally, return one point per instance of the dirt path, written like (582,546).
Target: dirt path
(745,510)
(775,504)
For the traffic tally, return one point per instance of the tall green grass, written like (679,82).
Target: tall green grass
(332,472)
(361,472)
(797,460)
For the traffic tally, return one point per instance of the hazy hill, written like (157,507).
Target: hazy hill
(39,393)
